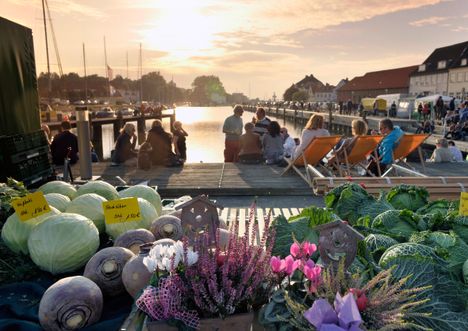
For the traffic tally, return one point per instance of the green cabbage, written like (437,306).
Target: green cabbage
(57,200)
(398,224)
(148,215)
(58,186)
(407,197)
(350,202)
(445,308)
(89,205)
(104,189)
(378,244)
(63,243)
(15,233)
(145,192)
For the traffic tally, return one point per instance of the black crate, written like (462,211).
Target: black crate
(28,168)
(25,155)
(37,179)
(21,142)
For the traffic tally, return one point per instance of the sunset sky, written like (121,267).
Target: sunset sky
(254,46)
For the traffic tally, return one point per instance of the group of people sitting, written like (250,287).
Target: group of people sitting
(263,141)
(160,147)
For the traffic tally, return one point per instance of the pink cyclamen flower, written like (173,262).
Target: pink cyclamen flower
(289,265)
(295,250)
(308,248)
(275,264)
(312,271)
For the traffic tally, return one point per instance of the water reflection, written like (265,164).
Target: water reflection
(205,142)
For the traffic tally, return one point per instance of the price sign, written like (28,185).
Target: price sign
(464,203)
(30,206)
(122,210)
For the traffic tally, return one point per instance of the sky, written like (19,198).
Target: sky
(256,47)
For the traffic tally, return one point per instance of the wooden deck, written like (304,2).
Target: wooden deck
(217,179)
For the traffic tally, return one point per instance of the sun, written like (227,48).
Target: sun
(181,29)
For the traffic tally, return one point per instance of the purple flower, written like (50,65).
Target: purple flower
(275,264)
(344,317)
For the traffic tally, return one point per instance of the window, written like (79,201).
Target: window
(452,78)
(422,67)
(464,62)
(441,64)
(466,76)
(460,77)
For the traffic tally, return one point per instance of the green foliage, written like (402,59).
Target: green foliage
(300,95)
(288,94)
(207,90)
(407,197)
(398,224)
(8,191)
(378,244)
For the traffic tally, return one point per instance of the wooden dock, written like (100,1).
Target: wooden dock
(218,179)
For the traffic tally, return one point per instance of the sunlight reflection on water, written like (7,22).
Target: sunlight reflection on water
(205,142)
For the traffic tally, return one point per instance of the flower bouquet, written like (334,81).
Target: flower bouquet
(192,284)
(308,296)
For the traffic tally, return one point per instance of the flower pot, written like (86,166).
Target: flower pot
(237,322)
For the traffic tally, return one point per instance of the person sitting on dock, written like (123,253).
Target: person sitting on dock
(392,135)
(358,128)
(161,146)
(442,153)
(233,129)
(273,150)
(313,128)
(289,145)
(180,146)
(65,143)
(124,148)
(250,146)
(457,154)
(426,127)
(261,122)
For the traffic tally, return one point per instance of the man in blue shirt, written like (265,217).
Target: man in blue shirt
(392,135)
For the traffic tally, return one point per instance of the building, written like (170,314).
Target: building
(444,72)
(374,83)
(325,94)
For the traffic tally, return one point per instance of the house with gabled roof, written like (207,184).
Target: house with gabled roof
(372,84)
(444,72)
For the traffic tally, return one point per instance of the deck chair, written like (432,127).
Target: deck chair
(405,146)
(311,156)
(363,147)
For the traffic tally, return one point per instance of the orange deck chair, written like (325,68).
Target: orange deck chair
(405,146)
(363,147)
(311,156)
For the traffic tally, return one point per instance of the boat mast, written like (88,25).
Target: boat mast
(141,76)
(47,52)
(85,75)
(107,68)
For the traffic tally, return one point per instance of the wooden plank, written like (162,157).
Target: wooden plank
(286,212)
(241,220)
(261,222)
(295,211)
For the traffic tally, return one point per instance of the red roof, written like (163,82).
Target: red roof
(384,79)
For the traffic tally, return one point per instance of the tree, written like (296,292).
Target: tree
(207,90)
(287,96)
(300,96)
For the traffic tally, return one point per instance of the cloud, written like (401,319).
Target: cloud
(434,20)
(65,7)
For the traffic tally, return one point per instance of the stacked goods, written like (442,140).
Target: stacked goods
(25,157)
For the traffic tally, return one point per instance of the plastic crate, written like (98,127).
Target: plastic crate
(21,142)
(38,178)
(29,168)
(25,155)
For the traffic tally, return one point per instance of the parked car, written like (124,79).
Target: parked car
(105,112)
(125,112)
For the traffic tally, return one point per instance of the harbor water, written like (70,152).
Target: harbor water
(204,125)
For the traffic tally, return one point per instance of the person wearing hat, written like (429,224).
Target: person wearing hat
(233,129)
(442,153)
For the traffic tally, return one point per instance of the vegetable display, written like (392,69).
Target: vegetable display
(58,201)
(99,187)
(144,192)
(89,205)
(58,186)
(63,243)
(105,269)
(132,239)
(71,303)
(407,197)
(15,233)
(167,226)
(135,274)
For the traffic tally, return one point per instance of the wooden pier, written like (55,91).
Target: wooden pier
(341,124)
(117,123)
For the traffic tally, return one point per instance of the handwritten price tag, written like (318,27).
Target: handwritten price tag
(30,206)
(120,211)
(464,203)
